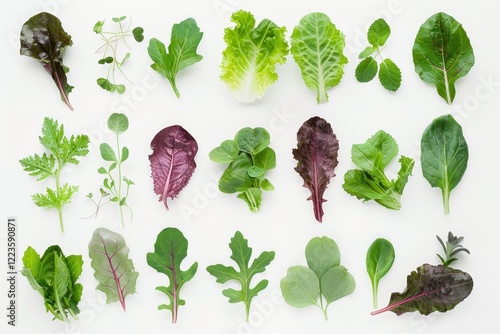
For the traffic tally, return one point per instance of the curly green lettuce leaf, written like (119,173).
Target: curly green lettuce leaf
(252,53)
(317,47)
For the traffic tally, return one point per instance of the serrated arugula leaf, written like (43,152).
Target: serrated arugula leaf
(442,53)
(241,255)
(389,75)
(317,47)
(184,40)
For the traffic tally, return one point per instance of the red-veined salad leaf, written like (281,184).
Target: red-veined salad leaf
(431,288)
(112,266)
(317,157)
(44,39)
(172,161)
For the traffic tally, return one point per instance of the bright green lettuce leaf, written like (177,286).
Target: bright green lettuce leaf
(444,155)
(317,47)
(241,255)
(366,69)
(389,75)
(252,53)
(184,41)
(442,53)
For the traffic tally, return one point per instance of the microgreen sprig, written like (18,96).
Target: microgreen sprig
(451,248)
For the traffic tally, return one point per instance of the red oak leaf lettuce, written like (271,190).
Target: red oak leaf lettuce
(44,39)
(316,155)
(172,161)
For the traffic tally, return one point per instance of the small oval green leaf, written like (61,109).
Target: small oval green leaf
(389,75)
(118,123)
(366,70)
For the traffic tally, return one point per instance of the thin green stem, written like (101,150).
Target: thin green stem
(58,193)
(120,181)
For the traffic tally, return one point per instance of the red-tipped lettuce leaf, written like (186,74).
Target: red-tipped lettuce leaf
(172,161)
(317,157)
(44,39)
(429,289)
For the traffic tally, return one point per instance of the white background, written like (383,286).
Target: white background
(285,223)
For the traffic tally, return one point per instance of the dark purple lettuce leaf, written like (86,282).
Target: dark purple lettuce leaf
(44,39)
(172,161)
(316,155)
(429,289)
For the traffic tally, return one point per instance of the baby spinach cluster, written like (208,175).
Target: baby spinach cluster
(249,159)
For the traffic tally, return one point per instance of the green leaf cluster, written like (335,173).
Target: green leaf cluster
(62,151)
(170,250)
(379,260)
(184,41)
(317,48)
(115,186)
(322,282)
(370,181)
(241,254)
(389,73)
(111,41)
(451,248)
(54,276)
(444,156)
(249,157)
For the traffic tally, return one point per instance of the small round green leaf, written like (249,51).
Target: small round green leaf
(119,19)
(125,154)
(322,254)
(366,70)
(337,283)
(378,33)
(300,287)
(389,75)
(102,170)
(118,123)
(266,185)
(120,89)
(266,159)
(107,152)
(106,84)
(225,153)
(256,172)
(252,141)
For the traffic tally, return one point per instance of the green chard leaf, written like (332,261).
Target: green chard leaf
(184,41)
(241,255)
(322,282)
(370,182)
(444,156)
(442,54)
(44,39)
(252,53)
(317,48)
(170,250)
(379,260)
(112,267)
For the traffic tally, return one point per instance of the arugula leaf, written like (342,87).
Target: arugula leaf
(63,151)
(112,267)
(444,155)
(370,182)
(44,39)
(184,41)
(241,254)
(322,282)
(389,74)
(170,250)
(379,260)
(317,47)
(442,53)
(252,53)
(54,276)
(249,159)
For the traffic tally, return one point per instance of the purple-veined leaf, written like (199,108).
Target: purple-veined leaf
(316,155)
(172,161)
(112,267)
(429,289)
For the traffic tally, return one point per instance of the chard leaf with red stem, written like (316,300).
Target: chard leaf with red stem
(317,157)
(172,161)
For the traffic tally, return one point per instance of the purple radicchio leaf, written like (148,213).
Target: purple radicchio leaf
(429,289)
(172,161)
(44,39)
(316,155)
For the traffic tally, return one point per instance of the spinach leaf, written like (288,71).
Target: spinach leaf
(317,48)
(241,254)
(170,250)
(54,276)
(322,282)
(379,260)
(444,155)
(442,53)
(184,40)
(249,159)
(317,157)
(112,267)
(370,181)
(44,39)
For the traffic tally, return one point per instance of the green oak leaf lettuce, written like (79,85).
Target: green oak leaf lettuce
(252,53)
(317,48)
(442,53)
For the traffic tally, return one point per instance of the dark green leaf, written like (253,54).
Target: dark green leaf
(379,260)
(366,70)
(106,84)
(235,178)
(389,75)
(252,140)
